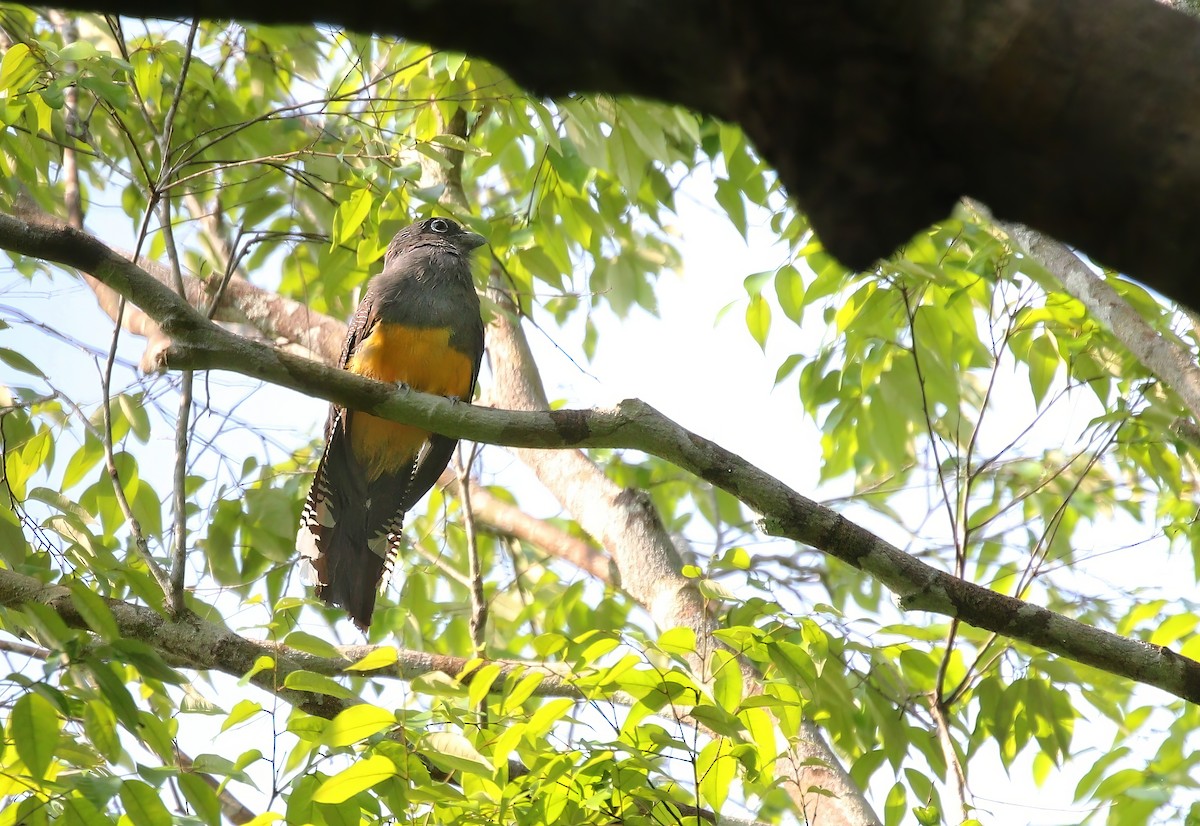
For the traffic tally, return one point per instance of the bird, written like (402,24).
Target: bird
(418,325)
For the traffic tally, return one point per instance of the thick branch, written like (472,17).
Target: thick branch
(635,425)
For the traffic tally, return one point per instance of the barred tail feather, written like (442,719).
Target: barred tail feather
(347,546)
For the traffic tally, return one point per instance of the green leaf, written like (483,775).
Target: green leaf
(263,663)
(1043,365)
(81,463)
(894,805)
(14,359)
(758,320)
(381,657)
(789,289)
(453,752)
(100,726)
(34,726)
(727,679)
(350,215)
(730,198)
(135,413)
(927,815)
(679,640)
(318,684)
(244,710)
(202,797)
(303,641)
(95,611)
(521,692)
(793,662)
(17,68)
(788,367)
(548,714)
(143,805)
(716,768)
(360,776)
(357,723)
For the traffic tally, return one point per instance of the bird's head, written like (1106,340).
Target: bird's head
(436,232)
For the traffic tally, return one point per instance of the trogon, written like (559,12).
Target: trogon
(418,325)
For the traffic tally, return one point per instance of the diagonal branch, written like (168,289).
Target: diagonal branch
(1163,357)
(634,425)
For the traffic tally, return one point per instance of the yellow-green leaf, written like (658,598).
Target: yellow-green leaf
(381,657)
(453,752)
(95,611)
(357,723)
(309,644)
(522,691)
(758,319)
(244,710)
(716,768)
(359,777)
(317,683)
(678,640)
(143,805)
(727,679)
(350,215)
(100,726)
(34,726)
(203,799)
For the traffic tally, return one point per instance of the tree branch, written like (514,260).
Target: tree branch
(632,425)
(1163,357)
(509,520)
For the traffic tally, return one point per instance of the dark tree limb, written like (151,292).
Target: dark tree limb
(200,344)
(1078,117)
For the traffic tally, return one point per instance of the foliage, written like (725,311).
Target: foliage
(973,412)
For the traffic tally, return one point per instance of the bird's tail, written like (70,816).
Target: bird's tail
(340,554)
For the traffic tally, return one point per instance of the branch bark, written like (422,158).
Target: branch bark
(200,344)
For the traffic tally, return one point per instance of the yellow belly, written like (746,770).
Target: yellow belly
(424,360)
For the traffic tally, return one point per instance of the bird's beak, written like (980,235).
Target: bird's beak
(470,240)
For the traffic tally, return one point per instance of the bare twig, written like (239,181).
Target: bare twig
(175,602)
(110,461)
(479,606)
(941,723)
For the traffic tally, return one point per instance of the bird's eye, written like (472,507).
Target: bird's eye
(439,225)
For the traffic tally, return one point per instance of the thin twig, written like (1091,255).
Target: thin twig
(941,723)
(168,129)
(179,550)
(182,422)
(110,461)
(479,606)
